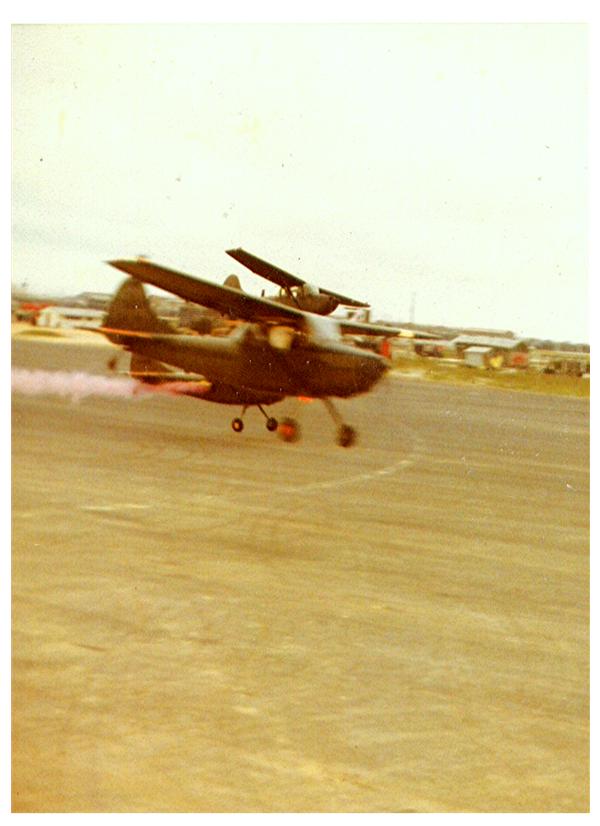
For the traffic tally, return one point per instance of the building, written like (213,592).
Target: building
(65,317)
(94,301)
(27,310)
(434,348)
(494,351)
(482,357)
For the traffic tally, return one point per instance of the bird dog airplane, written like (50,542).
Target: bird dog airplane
(294,291)
(278,349)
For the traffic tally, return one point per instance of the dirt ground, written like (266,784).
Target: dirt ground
(217,622)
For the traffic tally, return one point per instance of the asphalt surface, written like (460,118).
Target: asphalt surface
(219,622)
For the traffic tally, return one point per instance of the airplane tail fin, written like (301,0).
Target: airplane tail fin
(234,282)
(131,310)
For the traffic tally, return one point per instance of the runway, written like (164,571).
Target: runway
(218,622)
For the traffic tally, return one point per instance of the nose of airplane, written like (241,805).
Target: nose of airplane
(373,368)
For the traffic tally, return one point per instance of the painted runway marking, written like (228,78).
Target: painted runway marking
(351,480)
(528,463)
(113,508)
(416,454)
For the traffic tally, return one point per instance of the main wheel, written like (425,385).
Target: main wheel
(272,424)
(237,425)
(346,435)
(288,430)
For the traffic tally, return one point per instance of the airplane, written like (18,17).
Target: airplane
(275,350)
(294,291)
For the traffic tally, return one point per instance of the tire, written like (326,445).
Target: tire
(346,436)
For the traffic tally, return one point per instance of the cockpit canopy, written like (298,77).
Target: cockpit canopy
(309,289)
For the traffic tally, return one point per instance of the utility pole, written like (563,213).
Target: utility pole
(413,300)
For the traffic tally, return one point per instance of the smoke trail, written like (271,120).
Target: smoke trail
(75,386)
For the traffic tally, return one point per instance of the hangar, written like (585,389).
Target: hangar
(492,351)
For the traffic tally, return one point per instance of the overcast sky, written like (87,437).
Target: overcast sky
(380,161)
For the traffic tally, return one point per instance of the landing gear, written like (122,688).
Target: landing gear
(271,423)
(288,430)
(237,424)
(346,435)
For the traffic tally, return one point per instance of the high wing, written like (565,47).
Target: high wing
(362,328)
(226,300)
(240,305)
(282,278)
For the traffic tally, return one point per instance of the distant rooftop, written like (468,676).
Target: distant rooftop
(488,341)
(73,312)
(101,296)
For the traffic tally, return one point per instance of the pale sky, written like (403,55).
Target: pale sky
(444,160)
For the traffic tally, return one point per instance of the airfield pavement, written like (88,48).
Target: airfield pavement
(213,622)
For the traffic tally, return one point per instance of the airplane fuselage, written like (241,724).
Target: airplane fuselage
(277,351)
(311,303)
(247,360)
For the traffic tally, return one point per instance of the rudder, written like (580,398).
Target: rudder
(234,282)
(131,310)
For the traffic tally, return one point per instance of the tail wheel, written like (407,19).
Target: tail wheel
(288,430)
(346,435)
(237,425)
(272,424)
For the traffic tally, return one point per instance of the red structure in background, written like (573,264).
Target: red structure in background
(30,310)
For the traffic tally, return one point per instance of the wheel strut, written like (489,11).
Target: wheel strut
(237,424)
(346,435)
(271,422)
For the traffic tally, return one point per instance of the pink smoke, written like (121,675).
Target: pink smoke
(77,386)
